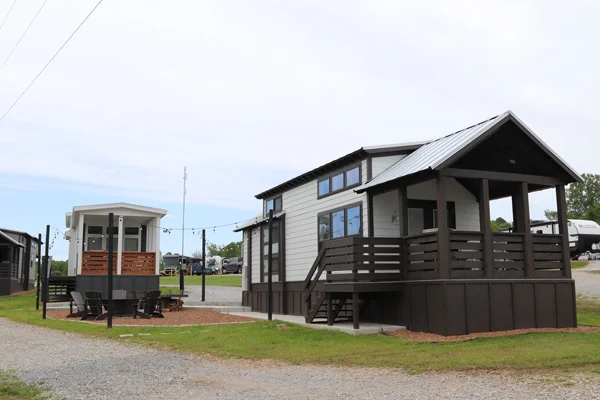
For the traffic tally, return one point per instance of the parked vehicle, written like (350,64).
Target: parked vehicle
(584,236)
(196,269)
(232,265)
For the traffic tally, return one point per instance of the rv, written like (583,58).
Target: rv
(584,235)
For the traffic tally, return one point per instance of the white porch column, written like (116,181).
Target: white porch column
(157,243)
(120,246)
(80,244)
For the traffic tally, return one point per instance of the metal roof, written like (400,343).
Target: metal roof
(356,155)
(256,221)
(433,154)
(11,240)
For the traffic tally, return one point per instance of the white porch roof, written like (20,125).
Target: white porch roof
(124,209)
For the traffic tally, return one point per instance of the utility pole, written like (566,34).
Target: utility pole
(181,283)
(39,272)
(45,292)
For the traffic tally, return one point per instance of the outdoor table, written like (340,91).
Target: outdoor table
(170,297)
(122,307)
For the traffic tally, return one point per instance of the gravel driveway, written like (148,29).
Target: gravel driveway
(221,295)
(586,283)
(74,367)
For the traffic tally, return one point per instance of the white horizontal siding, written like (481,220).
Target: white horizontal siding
(380,164)
(245,253)
(384,207)
(301,208)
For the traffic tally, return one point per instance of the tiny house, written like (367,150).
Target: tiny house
(401,234)
(136,244)
(18,255)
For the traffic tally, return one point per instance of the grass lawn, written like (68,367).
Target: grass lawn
(13,389)
(579,264)
(298,345)
(211,280)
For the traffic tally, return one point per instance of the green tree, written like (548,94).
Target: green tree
(499,224)
(233,249)
(583,199)
(197,254)
(59,268)
(551,215)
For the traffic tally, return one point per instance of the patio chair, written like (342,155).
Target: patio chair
(150,305)
(93,305)
(119,294)
(79,302)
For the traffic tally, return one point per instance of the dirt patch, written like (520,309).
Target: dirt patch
(434,338)
(179,318)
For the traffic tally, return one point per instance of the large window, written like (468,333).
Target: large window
(340,223)
(274,204)
(275,238)
(97,238)
(339,181)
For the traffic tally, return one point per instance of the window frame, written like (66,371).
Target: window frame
(343,171)
(103,237)
(345,209)
(276,256)
(274,199)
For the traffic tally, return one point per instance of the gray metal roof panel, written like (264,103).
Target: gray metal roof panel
(432,154)
(10,239)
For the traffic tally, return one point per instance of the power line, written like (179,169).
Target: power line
(7,14)
(21,38)
(50,61)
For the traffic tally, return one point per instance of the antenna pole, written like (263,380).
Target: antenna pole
(181,284)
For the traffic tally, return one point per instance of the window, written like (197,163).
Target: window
(340,223)
(274,204)
(339,181)
(275,237)
(95,239)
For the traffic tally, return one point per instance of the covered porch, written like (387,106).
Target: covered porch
(431,260)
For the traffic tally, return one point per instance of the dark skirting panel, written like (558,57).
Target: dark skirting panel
(454,307)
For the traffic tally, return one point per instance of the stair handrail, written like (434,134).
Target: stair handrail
(318,267)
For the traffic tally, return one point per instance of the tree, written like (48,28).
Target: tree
(583,199)
(551,215)
(233,249)
(59,268)
(500,223)
(197,254)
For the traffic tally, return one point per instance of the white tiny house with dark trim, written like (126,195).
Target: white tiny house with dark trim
(401,234)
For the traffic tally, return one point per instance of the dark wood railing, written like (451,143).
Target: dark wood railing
(132,263)
(358,259)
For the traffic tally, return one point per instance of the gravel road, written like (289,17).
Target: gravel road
(586,283)
(225,295)
(74,367)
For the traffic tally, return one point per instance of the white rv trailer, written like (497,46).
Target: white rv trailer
(583,235)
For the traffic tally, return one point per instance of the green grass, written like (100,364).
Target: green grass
(298,345)
(211,280)
(13,389)
(579,264)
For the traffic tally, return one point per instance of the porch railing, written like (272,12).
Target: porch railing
(416,257)
(132,263)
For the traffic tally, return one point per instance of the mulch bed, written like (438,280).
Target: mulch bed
(185,317)
(434,338)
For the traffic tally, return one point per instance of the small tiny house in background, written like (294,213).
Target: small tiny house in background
(18,255)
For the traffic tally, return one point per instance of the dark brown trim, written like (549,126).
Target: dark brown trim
(524,221)
(369,168)
(371,227)
(563,229)
(500,176)
(486,227)
(343,172)
(413,179)
(442,223)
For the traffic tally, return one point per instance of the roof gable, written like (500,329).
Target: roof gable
(441,153)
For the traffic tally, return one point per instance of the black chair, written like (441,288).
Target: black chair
(93,306)
(79,302)
(150,305)
(119,294)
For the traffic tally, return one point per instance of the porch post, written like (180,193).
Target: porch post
(442,233)
(522,225)
(80,244)
(563,229)
(120,246)
(486,227)
(403,210)
(156,248)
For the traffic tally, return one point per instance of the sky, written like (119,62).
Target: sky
(249,94)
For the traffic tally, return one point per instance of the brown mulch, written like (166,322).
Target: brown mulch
(185,317)
(434,338)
